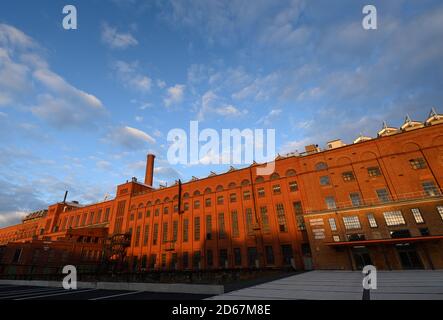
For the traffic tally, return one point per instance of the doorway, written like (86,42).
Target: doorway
(409,257)
(361,257)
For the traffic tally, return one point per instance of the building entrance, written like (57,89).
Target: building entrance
(361,257)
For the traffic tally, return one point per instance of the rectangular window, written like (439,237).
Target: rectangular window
(185,260)
(374,172)
(165,232)
(281,218)
(330,202)
(417,215)
(249,221)
(332,224)
(265,219)
(383,195)
(220,200)
(261,192)
(394,218)
(372,221)
(209,258)
(157,212)
(293,186)
(146,235)
(252,256)
(223,258)
(207,202)
(107,212)
(287,253)
(233,197)
(175,207)
(276,189)
(163,260)
(336,238)
(430,189)
(351,222)
(185,230)
(208,227)
(196,260)
(237,256)
(355,199)
(269,255)
(234,219)
(174,230)
(348,176)
(298,209)
(221,226)
(440,211)
(325,181)
(197,229)
(246,195)
(418,163)
(186,206)
(165,210)
(196,204)
(148,213)
(155,235)
(137,236)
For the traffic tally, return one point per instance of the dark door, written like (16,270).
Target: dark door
(409,257)
(361,257)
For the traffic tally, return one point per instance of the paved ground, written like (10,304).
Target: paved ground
(314,285)
(345,285)
(10,292)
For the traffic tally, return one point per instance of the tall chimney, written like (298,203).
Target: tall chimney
(149,177)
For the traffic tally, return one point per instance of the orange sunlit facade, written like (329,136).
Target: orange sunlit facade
(376,201)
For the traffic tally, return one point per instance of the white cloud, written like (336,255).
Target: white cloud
(116,40)
(174,95)
(211,103)
(272,115)
(131,77)
(129,138)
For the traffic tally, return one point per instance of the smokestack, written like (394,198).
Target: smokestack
(66,195)
(149,177)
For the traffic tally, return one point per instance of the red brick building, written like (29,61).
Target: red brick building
(376,201)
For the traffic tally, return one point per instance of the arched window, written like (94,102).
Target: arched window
(149,204)
(245,183)
(157,201)
(232,185)
(219,188)
(175,197)
(275,176)
(186,195)
(166,199)
(140,205)
(196,193)
(208,190)
(321,166)
(259,179)
(290,173)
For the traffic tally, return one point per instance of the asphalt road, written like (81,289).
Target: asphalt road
(12,292)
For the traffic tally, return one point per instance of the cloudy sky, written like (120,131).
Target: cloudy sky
(80,109)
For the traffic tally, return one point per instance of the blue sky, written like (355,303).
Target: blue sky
(80,109)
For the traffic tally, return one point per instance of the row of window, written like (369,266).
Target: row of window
(86,219)
(416,164)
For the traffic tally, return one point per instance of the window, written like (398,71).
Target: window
(374,172)
(325,181)
(270,260)
(233,197)
(424,232)
(207,202)
(332,224)
(165,232)
(382,195)
(223,258)
(286,251)
(174,230)
(252,256)
(157,212)
(336,238)
(405,233)
(418,163)
(146,235)
(237,256)
(372,221)
(209,258)
(196,204)
(417,215)
(430,189)
(249,223)
(148,213)
(196,260)
(330,202)
(394,218)
(348,176)
(234,219)
(221,226)
(440,211)
(175,207)
(185,230)
(186,206)
(196,228)
(185,260)
(163,260)
(137,236)
(351,222)
(276,189)
(246,195)
(321,166)
(281,218)
(155,235)
(261,192)
(107,211)
(293,186)
(265,219)
(208,227)
(355,199)
(220,200)
(165,210)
